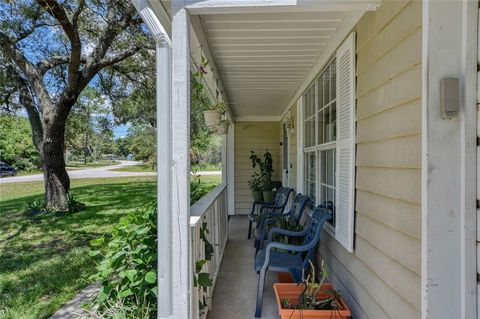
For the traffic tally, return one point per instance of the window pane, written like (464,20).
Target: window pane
(323,167)
(333,79)
(331,203)
(310,102)
(330,167)
(320,92)
(310,132)
(321,126)
(333,120)
(327,125)
(310,175)
(326,86)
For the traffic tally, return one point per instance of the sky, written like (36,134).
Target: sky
(120,131)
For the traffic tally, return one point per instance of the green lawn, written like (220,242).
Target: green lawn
(44,260)
(135,168)
(75,165)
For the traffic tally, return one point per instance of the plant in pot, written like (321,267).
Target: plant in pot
(213,117)
(310,299)
(255,185)
(266,170)
(222,128)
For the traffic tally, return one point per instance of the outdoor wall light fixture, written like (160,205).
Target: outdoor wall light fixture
(288,125)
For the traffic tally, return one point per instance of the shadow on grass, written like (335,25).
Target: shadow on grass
(44,258)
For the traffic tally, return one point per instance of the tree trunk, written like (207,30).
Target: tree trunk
(57,182)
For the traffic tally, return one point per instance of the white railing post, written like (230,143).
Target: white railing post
(211,209)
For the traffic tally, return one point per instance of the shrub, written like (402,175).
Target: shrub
(127,270)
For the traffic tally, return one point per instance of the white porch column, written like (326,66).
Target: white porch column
(448,162)
(181,255)
(164,157)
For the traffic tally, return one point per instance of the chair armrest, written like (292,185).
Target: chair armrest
(285,232)
(288,247)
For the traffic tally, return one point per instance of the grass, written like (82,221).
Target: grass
(74,165)
(148,168)
(135,168)
(206,167)
(44,260)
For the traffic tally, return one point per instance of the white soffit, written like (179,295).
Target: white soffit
(263,58)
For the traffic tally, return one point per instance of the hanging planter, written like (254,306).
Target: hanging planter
(212,118)
(222,128)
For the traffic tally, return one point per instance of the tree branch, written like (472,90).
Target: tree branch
(33,116)
(117,58)
(29,72)
(45,65)
(70,28)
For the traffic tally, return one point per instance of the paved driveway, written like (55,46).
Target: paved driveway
(96,172)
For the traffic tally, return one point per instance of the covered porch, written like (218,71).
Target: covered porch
(272,63)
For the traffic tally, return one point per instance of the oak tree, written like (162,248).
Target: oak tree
(50,52)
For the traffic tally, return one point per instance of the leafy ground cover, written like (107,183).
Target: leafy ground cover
(44,259)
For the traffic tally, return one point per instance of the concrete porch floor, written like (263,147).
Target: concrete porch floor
(235,292)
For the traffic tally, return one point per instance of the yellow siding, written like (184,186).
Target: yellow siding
(253,136)
(381,279)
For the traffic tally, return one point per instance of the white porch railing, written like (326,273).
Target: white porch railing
(211,210)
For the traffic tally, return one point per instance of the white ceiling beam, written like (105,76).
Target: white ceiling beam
(258,6)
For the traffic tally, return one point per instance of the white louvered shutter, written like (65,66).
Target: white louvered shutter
(345,175)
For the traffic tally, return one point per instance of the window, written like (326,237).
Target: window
(320,138)
(329,144)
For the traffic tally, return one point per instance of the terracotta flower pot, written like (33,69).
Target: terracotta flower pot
(284,277)
(291,292)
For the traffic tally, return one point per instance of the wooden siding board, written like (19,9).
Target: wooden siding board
(402,216)
(400,58)
(399,183)
(404,249)
(398,277)
(402,120)
(386,297)
(392,36)
(400,152)
(373,22)
(403,88)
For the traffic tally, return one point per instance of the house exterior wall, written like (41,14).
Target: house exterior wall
(381,278)
(253,136)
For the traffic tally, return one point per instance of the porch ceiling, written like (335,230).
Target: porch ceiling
(263,58)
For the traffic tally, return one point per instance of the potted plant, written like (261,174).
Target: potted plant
(310,299)
(255,185)
(213,117)
(222,128)
(266,170)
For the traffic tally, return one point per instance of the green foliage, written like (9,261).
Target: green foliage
(16,146)
(44,259)
(203,280)
(142,141)
(256,182)
(198,189)
(266,170)
(37,206)
(308,299)
(129,258)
